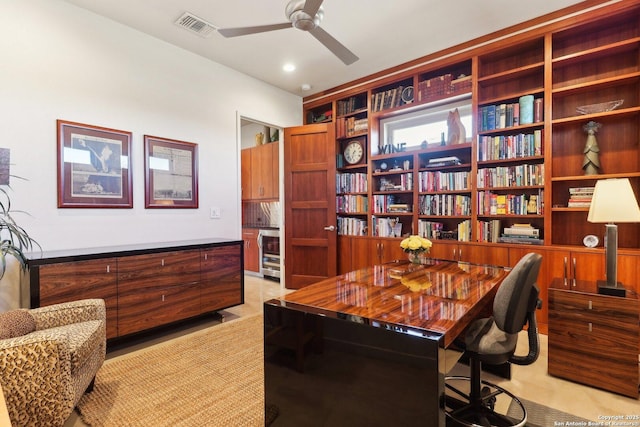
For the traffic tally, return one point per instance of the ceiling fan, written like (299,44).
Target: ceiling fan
(305,16)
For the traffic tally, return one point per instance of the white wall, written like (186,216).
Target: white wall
(62,62)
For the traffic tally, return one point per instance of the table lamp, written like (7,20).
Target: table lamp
(613,201)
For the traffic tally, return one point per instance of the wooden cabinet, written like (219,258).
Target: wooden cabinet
(154,289)
(251,249)
(69,281)
(260,166)
(143,287)
(245,169)
(220,278)
(593,339)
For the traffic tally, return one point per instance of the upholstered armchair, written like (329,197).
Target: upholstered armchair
(48,359)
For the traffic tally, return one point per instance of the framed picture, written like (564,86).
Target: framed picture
(171,173)
(94,166)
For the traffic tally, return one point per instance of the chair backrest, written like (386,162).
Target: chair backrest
(513,301)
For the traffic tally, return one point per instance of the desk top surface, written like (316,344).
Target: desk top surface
(437,299)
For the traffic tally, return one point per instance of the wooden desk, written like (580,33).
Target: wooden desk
(396,314)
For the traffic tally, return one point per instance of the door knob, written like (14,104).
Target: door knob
(330,228)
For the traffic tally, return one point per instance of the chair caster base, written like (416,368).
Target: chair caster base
(479,411)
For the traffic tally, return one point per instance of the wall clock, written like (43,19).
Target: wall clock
(353,152)
(407,95)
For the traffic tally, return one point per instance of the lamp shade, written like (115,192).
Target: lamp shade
(613,201)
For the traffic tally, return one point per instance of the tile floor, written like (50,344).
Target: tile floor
(528,382)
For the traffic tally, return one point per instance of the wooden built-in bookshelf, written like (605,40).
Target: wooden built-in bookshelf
(586,58)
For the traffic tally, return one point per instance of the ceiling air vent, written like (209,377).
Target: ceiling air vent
(195,25)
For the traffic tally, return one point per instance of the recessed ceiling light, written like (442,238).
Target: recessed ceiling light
(288,67)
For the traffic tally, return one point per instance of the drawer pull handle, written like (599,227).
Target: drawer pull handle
(162,262)
(590,327)
(162,297)
(108,269)
(590,305)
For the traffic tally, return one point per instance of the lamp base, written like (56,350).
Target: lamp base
(605,288)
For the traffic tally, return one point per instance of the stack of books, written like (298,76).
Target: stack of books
(443,161)
(580,197)
(521,233)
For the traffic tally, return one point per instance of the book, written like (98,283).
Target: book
(521,231)
(521,240)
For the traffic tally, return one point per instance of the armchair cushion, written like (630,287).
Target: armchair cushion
(16,323)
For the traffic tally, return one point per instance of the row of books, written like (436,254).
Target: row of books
(502,116)
(354,182)
(488,231)
(352,204)
(386,99)
(352,226)
(490,203)
(351,126)
(500,147)
(348,106)
(511,176)
(439,86)
(386,227)
(429,229)
(580,197)
(445,204)
(443,181)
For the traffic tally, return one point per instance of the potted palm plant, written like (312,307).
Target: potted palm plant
(15,243)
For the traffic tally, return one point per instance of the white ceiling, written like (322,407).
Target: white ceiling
(382,33)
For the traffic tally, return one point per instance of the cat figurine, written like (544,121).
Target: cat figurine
(456,131)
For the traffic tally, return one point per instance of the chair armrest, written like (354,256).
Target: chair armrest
(35,374)
(55,315)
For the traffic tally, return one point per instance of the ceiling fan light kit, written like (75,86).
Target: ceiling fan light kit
(305,16)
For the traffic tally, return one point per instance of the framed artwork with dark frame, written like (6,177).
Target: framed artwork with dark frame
(94,166)
(170,173)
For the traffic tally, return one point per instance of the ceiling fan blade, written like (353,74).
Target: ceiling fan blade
(334,46)
(311,7)
(242,31)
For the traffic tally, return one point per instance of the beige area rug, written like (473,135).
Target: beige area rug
(213,377)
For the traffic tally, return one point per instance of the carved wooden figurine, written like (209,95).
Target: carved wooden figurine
(456,130)
(591,162)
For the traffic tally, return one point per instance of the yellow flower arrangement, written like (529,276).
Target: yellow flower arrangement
(415,244)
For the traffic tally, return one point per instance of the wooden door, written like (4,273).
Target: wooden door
(309,204)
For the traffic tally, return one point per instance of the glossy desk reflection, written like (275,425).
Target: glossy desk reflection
(399,313)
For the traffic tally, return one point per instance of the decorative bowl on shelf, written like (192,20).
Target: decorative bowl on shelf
(599,108)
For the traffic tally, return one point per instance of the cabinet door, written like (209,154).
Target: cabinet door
(445,249)
(484,254)
(345,264)
(70,281)
(154,289)
(245,166)
(221,282)
(386,250)
(251,250)
(262,172)
(274,168)
(361,253)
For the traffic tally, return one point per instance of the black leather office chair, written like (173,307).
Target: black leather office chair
(493,341)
